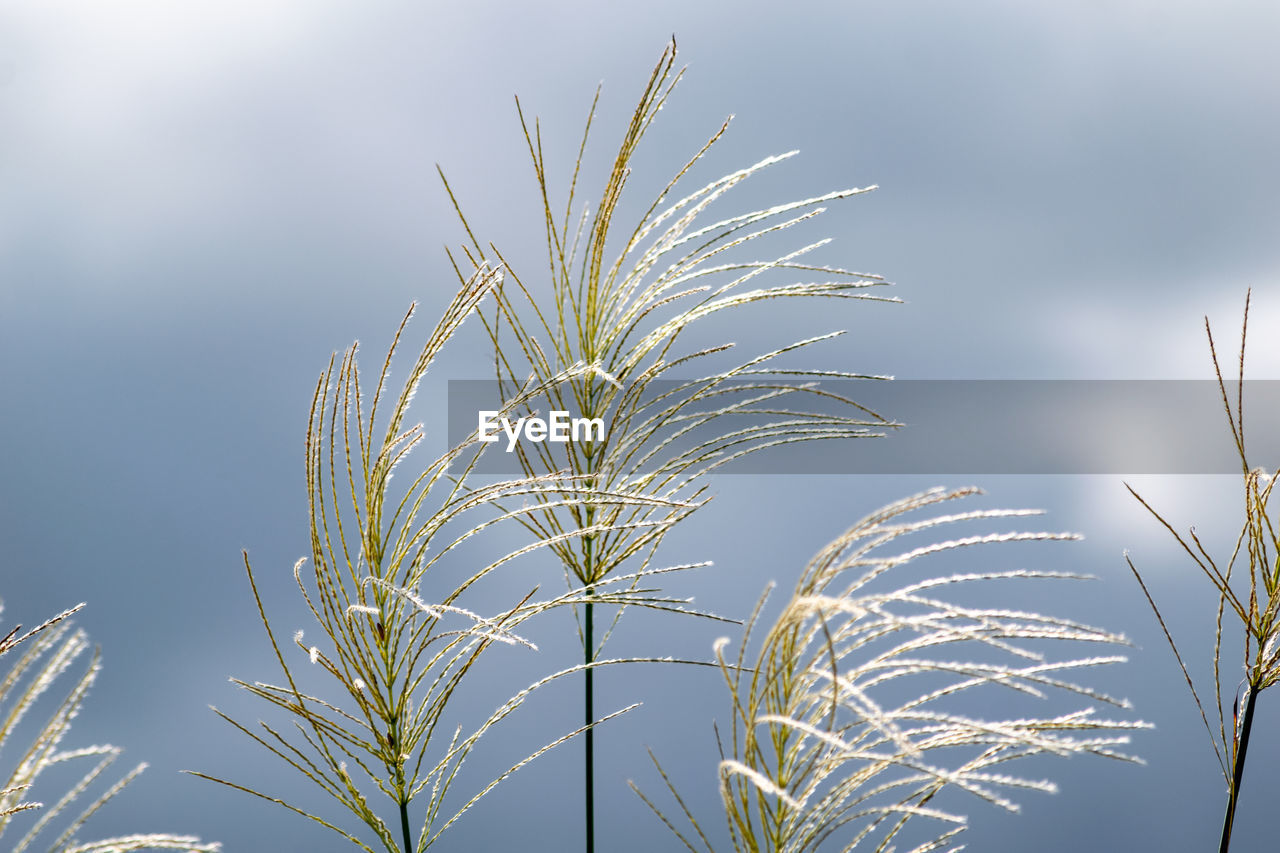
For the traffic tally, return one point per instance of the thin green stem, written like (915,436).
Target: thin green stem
(588,697)
(588,657)
(404,827)
(1237,770)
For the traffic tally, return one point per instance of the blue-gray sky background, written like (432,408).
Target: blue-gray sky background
(200,201)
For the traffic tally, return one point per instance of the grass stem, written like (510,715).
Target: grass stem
(404,827)
(588,695)
(588,701)
(1237,770)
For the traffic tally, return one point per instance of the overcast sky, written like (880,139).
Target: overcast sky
(200,201)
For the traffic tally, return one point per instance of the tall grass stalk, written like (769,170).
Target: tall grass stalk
(621,301)
(50,650)
(1257,609)
(841,734)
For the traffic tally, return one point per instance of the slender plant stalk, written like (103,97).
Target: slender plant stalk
(1237,770)
(588,717)
(406,835)
(589,697)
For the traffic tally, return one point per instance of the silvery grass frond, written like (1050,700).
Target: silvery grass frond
(622,302)
(842,730)
(1257,610)
(51,649)
(393,650)
(622,318)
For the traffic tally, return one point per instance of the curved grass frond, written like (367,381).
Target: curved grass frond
(621,306)
(841,733)
(52,649)
(620,321)
(1258,611)
(381,745)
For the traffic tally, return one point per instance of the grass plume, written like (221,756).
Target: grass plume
(622,304)
(395,652)
(50,651)
(1253,600)
(841,731)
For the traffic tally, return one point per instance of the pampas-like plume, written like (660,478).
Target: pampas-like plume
(397,653)
(618,326)
(52,648)
(1258,611)
(841,734)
